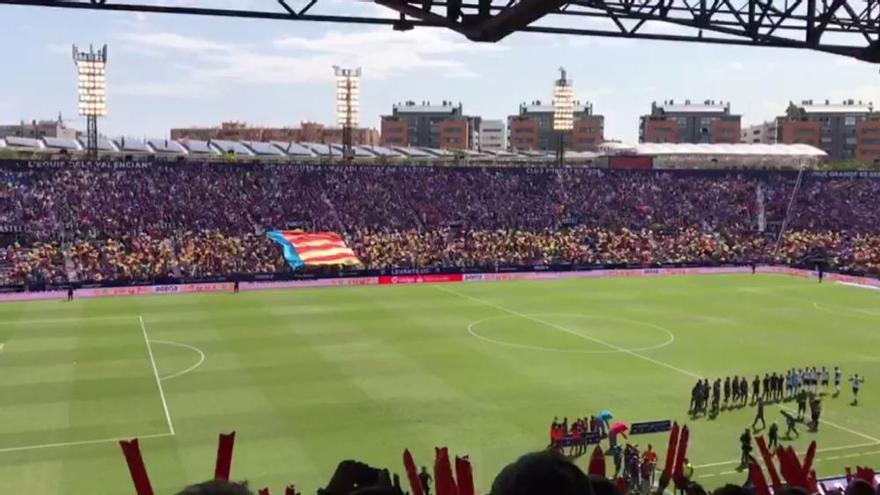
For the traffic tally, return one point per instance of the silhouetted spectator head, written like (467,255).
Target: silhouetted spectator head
(859,487)
(602,486)
(694,489)
(217,487)
(544,473)
(791,490)
(729,489)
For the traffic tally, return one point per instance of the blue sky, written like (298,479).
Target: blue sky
(172,71)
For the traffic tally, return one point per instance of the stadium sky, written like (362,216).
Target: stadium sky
(173,71)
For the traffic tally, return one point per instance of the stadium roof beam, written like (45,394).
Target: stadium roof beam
(843,27)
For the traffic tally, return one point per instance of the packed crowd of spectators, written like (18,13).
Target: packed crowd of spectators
(173,220)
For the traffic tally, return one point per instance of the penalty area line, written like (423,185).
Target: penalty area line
(156,374)
(81,442)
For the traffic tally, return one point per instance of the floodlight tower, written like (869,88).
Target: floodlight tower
(563,112)
(348,85)
(91,67)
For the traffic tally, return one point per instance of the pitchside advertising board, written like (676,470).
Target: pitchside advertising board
(650,427)
(640,428)
(592,438)
(399,277)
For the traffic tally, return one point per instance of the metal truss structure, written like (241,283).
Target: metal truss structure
(844,27)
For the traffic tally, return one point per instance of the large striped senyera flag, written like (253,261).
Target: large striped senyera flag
(322,248)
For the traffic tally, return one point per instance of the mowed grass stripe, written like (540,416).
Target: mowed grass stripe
(92,389)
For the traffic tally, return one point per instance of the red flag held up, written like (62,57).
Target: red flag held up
(670,454)
(410,465)
(132,452)
(464,475)
(597,462)
(224,456)
(756,476)
(768,461)
(680,454)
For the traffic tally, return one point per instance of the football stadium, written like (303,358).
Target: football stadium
(450,304)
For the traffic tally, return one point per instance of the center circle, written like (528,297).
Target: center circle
(472,330)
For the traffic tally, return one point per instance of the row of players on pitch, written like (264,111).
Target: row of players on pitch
(776,387)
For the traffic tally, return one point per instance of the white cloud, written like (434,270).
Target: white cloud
(175,42)
(171,89)
(382,53)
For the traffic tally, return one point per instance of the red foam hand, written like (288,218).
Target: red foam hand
(670,455)
(808,459)
(444,484)
(792,469)
(785,467)
(132,452)
(410,466)
(464,475)
(680,454)
(597,462)
(867,474)
(768,461)
(756,476)
(224,456)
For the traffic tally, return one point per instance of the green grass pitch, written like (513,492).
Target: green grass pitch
(310,377)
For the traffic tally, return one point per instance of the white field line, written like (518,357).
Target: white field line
(858,286)
(184,346)
(63,320)
(571,332)
(82,442)
(2,345)
(820,459)
(472,325)
(156,373)
(845,311)
(842,428)
(621,349)
(818,451)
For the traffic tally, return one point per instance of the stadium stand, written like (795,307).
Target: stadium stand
(320,149)
(383,151)
(294,149)
(159,220)
(130,145)
(62,144)
(198,148)
(166,147)
(106,145)
(411,152)
(23,143)
(264,149)
(231,147)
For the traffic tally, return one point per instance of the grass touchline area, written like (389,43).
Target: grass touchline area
(308,378)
